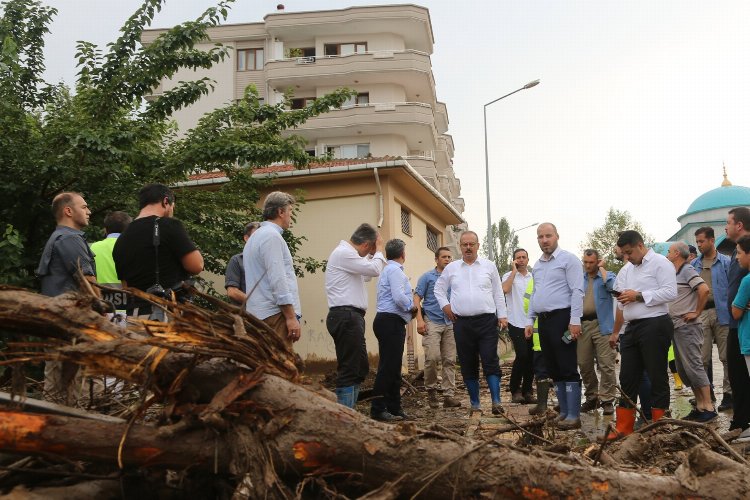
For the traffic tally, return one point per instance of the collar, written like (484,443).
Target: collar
(69,229)
(393,262)
(476,261)
(554,255)
(273,224)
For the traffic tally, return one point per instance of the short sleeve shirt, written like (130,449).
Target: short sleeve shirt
(688,280)
(135,257)
(741,301)
(65,250)
(235,273)
(425,289)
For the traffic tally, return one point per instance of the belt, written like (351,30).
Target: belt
(590,317)
(549,314)
(475,316)
(357,310)
(642,320)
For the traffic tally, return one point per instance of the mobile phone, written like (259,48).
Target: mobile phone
(616,293)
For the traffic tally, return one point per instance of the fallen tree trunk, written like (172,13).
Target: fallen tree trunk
(260,425)
(79,439)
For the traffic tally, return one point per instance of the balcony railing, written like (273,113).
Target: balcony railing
(377,54)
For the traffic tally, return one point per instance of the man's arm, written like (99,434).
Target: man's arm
(510,277)
(619,320)
(401,291)
(702,290)
(441,293)
(192,262)
(666,286)
(235,294)
(574,275)
(499,298)
(364,266)
(421,327)
(273,264)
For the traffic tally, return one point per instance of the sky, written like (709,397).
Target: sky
(639,104)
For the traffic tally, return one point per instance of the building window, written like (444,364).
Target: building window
(349,151)
(249,59)
(344,49)
(405,221)
(361,99)
(433,239)
(302,102)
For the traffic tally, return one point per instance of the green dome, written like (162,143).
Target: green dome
(721,197)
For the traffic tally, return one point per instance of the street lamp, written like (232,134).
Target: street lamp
(490,254)
(526,227)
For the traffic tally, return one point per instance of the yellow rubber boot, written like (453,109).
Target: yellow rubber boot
(677,381)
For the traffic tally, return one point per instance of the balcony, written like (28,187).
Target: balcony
(410,68)
(413,120)
(441,117)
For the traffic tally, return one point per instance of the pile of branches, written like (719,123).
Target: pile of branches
(236,421)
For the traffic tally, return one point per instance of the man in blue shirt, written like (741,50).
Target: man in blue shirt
(437,335)
(557,301)
(395,308)
(713,267)
(596,327)
(269,271)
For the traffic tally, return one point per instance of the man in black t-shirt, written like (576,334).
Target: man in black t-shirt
(135,254)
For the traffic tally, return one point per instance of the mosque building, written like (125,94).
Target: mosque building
(710,209)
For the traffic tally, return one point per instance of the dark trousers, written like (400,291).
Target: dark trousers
(560,358)
(645,346)
(739,380)
(347,327)
(390,330)
(644,394)
(522,374)
(476,339)
(540,367)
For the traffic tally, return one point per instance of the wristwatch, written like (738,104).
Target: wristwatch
(639,297)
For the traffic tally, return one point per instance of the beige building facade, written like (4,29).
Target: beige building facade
(394,155)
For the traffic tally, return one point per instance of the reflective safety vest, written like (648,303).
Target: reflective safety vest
(526,300)
(670,353)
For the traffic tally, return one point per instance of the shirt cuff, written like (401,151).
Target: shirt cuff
(575,321)
(285,300)
(648,296)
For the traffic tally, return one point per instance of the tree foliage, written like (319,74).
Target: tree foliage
(503,240)
(105,139)
(604,238)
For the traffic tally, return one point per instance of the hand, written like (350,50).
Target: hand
(421,327)
(575,331)
(690,317)
(502,323)
(378,244)
(613,339)
(513,266)
(449,313)
(627,297)
(528,332)
(294,328)
(601,264)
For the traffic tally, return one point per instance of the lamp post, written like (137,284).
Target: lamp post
(526,227)
(490,254)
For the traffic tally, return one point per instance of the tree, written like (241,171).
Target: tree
(503,240)
(106,140)
(604,238)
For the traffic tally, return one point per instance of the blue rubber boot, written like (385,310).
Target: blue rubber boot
(346,395)
(573,400)
(562,400)
(472,387)
(493,381)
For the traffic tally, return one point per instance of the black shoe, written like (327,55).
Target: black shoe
(497,409)
(705,416)
(402,415)
(726,403)
(692,416)
(590,404)
(385,416)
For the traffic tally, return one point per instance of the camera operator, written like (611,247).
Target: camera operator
(155,252)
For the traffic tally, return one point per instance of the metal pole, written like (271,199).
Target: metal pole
(490,253)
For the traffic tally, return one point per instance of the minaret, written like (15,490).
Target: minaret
(725,182)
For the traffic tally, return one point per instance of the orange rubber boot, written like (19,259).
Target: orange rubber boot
(624,424)
(656,414)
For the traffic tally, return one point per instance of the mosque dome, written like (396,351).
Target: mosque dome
(726,196)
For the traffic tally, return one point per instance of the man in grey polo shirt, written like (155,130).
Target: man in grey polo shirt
(685,310)
(66,250)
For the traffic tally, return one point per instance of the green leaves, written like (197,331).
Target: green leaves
(604,238)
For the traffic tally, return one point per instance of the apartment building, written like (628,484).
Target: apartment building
(394,125)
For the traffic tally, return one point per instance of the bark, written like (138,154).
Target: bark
(79,439)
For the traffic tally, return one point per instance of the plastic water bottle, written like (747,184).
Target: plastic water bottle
(567,337)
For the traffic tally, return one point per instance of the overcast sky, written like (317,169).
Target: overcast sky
(639,104)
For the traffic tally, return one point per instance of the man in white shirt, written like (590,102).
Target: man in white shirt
(476,307)
(269,271)
(350,265)
(515,283)
(646,287)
